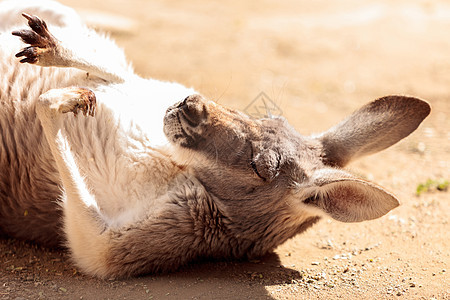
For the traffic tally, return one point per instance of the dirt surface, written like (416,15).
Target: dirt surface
(318,61)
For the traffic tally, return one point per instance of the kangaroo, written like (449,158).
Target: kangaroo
(99,160)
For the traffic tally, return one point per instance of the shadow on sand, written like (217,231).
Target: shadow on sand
(30,271)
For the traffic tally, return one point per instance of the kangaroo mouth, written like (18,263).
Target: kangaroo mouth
(186,122)
(174,129)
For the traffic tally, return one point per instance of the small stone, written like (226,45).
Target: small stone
(421,147)
(315,263)
(412,284)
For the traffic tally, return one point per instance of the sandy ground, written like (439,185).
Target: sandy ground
(318,61)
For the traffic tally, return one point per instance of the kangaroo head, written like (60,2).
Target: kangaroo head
(256,167)
(237,157)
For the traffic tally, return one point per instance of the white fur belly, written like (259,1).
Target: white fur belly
(116,149)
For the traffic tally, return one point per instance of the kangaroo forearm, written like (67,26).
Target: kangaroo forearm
(69,59)
(86,242)
(48,51)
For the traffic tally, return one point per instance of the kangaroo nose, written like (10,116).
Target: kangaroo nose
(193,110)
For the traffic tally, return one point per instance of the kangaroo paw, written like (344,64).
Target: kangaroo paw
(71,99)
(41,41)
(86,103)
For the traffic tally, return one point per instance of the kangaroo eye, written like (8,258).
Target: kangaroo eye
(266,164)
(253,165)
(255,169)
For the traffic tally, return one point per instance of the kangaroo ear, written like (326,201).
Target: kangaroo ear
(346,198)
(372,128)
